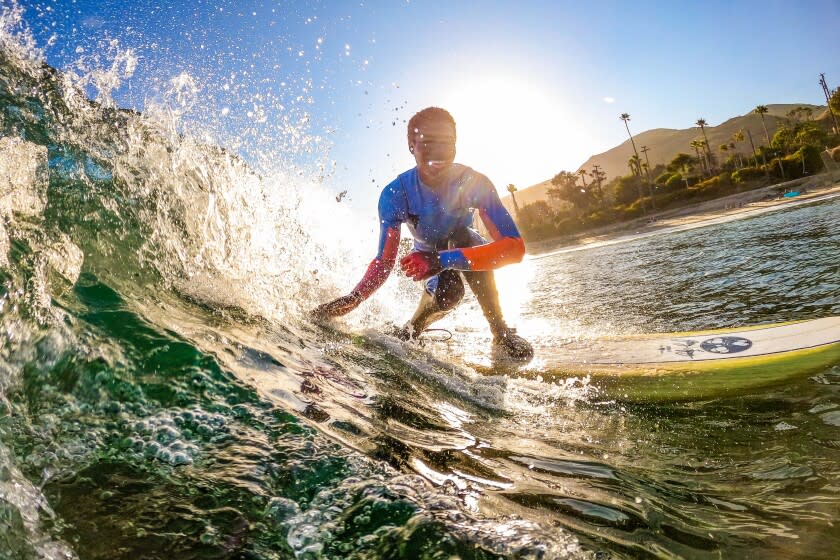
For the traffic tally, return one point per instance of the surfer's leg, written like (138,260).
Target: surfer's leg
(483,285)
(441,294)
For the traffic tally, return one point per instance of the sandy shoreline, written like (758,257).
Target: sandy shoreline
(732,207)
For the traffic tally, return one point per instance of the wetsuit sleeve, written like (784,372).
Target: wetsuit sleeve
(391,216)
(507,246)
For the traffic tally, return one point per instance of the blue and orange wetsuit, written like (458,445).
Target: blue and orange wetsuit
(440,220)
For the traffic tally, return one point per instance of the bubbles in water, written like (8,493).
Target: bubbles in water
(21,506)
(23,177)
(831,418)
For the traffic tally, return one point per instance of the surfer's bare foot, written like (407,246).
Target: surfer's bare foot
(513,345)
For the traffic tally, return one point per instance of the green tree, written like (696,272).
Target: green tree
(676,181)
(809,134)
(697,145)
(782,138)
(555,194)
(806,133)
(565,187)
(834,101)
(800,113)
(681,162)
(627,189)
(536,219)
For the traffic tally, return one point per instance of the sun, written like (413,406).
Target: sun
(509,129)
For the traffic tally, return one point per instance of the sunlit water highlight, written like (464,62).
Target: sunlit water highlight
(164,395)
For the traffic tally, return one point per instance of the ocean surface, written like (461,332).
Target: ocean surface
(163,394)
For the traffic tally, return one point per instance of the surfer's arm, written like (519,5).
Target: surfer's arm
(381,266)
(391,214)
(377,272)
(506,248)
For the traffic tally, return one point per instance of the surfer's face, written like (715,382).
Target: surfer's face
(433,144)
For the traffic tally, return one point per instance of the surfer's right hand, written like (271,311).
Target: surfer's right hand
(340,306)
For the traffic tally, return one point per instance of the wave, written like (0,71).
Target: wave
(154,292)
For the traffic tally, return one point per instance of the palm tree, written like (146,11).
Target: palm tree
(555,194)
(735,153)
(598,176)
(701,122)
(626,117)
(761,110)
(752,145)
(738,137)
(582,174)
(696,144)
(512,189)
(645,150)
(634,163)
(724,148)
(704,148)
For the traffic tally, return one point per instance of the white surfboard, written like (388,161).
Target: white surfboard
(697,364)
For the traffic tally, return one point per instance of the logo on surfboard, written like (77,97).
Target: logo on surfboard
(726,344)
(714,345)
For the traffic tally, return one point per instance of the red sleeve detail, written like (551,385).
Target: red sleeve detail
(380,267)
(500,252)
(490,256)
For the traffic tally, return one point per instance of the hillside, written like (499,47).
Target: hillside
(665,143)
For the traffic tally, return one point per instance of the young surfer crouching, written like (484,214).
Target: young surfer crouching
(436,200)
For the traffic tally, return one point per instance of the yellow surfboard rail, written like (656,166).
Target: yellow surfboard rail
(712,378)
(784,354)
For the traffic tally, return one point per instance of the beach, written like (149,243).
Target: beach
(736,206)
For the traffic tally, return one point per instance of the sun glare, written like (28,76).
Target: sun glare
(510,129)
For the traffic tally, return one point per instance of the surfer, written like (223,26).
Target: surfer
(436,200)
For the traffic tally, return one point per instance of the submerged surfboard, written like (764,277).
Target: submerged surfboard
(697,365)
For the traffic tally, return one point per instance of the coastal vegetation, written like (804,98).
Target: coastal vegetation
(579,201)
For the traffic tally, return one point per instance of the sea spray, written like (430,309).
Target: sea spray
(154,297)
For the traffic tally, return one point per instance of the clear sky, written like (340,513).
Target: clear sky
(536,86)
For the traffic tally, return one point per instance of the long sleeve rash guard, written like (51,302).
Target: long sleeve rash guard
(435,216)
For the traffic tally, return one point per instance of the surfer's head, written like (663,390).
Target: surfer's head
(431,138)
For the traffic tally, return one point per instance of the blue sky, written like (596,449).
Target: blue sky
(536,86)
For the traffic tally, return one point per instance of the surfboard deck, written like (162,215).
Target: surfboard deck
(696,365)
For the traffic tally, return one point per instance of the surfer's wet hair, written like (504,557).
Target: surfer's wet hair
(429,114)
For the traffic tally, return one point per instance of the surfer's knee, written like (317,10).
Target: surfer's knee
(450,290)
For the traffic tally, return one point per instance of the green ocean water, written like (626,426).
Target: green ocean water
(164,395)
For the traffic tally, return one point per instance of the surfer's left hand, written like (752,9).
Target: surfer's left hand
(336,307)
(420,265)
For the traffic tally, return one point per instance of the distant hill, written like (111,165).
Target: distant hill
(665,143)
